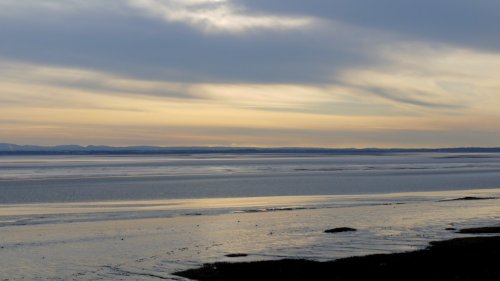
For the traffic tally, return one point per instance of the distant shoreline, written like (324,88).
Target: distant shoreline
(13,149)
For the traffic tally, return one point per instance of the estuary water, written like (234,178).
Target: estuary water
(145,217)
(42,179)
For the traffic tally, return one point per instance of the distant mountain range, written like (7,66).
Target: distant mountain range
(13,149)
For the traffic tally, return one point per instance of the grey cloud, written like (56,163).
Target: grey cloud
(472,23)
(112,36)
(122,40)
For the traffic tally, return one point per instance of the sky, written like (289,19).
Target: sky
(316,73)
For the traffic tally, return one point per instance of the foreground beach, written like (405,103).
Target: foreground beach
(459,259)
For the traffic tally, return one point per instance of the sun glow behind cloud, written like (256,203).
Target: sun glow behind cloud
(218,16)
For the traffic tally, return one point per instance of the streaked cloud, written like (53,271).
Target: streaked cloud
(440,78)
(34,98)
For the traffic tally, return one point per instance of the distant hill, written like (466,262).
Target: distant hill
(13,149)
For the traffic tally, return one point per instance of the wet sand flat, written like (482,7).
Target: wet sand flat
(110,240)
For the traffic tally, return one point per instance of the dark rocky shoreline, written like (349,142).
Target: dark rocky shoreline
(471,259)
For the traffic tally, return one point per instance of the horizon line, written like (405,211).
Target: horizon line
(238,147)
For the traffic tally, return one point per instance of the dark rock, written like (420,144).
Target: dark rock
(340,229)
(468,198)
(481,230)
(238,255)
